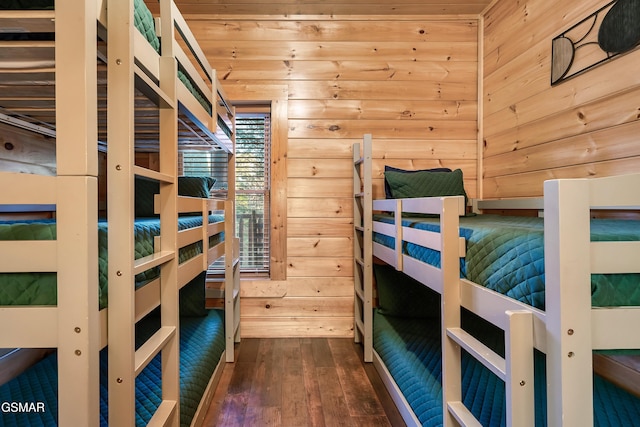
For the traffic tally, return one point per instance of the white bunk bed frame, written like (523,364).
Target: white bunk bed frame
(567,331)
(75,327)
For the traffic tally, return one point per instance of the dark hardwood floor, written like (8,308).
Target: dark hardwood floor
(295,382)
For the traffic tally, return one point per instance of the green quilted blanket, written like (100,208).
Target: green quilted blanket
(201,346)
(506,254)
(411,351)
(41,288)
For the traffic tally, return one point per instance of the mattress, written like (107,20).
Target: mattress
(201,346)
(506,254)
(41,288)
(410,349)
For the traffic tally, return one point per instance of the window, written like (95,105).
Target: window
(253,179)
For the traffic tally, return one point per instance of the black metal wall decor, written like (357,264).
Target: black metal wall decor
(610,31)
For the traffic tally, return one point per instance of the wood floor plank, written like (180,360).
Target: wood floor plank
(334,405)
(294,394)
(263,417)
(359,394)
(322,353)
(311,384)
(299,382)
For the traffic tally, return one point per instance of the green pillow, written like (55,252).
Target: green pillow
(193,186)
(402,296)
(426,184)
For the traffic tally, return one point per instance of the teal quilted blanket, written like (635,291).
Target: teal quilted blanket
(41,288)
(506,254)
(410,349)
(201,345)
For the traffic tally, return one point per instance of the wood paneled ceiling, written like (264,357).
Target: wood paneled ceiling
(332,7)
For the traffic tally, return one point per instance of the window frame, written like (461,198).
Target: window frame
(274,97)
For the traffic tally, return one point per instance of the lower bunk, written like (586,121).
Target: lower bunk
(407,345)
(202,347)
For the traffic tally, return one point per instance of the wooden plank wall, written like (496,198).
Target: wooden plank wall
(586,126)
(411,82)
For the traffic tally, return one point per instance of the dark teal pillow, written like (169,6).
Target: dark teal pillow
(193,186)
(387,168)
(400,295)
(426,184)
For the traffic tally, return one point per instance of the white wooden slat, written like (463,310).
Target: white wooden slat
(164,414)
(519,381)
(146,55)
(462,414)
(427,239)
(615,328)
(193,73)
(189,204)
(519,203)
(491,306)
(153,260)
(158,176)
(384,253)
(24,189)
(186,98)
(215,228)
(425,273)
(103,315)
(153,346)
(384,205)
(215,252)
(18,256)
(614,191)
(29,327)
(189,236)
(479,351)
(191,41)
(147,299)
(189,269)
(615,257)
(215,204)
(384,228)
(398,398)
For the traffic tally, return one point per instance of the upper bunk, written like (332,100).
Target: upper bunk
(28,70)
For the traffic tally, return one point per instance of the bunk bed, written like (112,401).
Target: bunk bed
(490,320)
(115,286)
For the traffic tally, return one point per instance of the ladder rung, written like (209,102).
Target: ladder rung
(359,195)
(359,293)
(462,414)
(359,228)
(359,260)
(153,346)
(479,351)
(163,414)
(359,161)
(153,260)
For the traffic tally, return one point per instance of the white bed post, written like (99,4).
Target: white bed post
(568,302)
(450,300)
(77,219)
(120,213)
(363,246)
(168,149)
